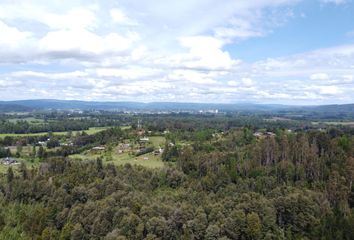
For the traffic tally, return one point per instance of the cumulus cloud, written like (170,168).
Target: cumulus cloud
(166,51)
(84,41)
(11,37)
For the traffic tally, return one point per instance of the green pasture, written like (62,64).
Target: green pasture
(90,131)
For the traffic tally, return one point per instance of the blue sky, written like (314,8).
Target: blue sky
(312,26)
(262,51)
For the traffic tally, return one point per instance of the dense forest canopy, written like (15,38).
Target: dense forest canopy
(223,178)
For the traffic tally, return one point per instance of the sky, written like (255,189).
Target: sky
(297,52)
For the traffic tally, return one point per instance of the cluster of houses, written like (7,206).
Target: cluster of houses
(143,144)
(261,134)
(9,161)
(123,147)
(44,143)
(268,134)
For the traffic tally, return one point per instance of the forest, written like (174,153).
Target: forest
(221,178)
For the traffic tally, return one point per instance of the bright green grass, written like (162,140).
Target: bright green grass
(148,160)
(90,131)
(3,168)
(157,141)
(28,119)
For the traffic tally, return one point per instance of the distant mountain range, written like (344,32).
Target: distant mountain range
(49,104)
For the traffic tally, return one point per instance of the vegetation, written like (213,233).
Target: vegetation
(214,180)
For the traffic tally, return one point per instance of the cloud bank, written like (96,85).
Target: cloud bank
(161,51)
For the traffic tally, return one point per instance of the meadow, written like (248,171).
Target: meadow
(90,131)
(148,160)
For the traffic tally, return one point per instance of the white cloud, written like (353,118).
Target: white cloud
(128,73)
(319,76)
(348,78)
(7,83)
(63,76)
(119,17)
(336,2)
(205,53)
(85,42)
(232,83)
(331,90)
(193,77)
(161,51)
(12,38)
(247,82)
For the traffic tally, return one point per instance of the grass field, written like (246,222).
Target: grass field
(30,120)
(29,165)
(3,168)
(157,141)
(148,160)
(89,131)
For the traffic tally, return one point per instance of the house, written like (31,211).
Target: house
(258,134)
(144,139)
(98,149)
(270,134)
(9,161)
(141,132)
(158,151)
(66,144)
(42,143)
(124,146)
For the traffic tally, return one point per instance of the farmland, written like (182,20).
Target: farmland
(116,157)
(90,131)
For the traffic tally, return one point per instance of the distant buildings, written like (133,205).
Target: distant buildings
(262,135)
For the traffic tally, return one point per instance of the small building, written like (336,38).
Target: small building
(123,146)
(98,149)
(144,139)
(42,143)
(66,144)
(258,134)
(9,161)
(270,134)
(141,132)
(158,151)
